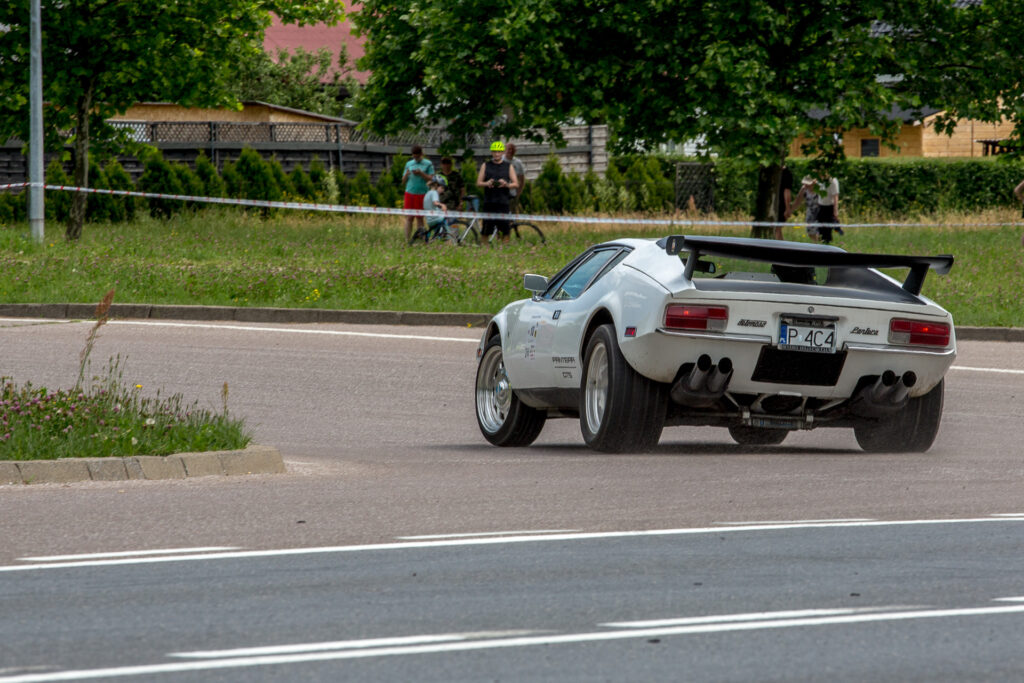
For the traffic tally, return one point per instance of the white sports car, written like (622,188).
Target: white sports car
(758,336)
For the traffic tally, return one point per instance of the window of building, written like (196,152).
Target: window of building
(869,147)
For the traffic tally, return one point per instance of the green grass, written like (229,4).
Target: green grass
(108,418)
(228,258)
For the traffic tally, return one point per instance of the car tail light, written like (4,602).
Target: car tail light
(689,317)
(918,332)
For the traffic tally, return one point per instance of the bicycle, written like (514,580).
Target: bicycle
(467,231)
(439,231)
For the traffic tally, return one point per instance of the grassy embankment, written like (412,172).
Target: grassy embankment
(228,258)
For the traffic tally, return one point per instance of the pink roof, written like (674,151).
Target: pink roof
(311,38)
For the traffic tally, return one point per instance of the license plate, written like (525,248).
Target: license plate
(816,336)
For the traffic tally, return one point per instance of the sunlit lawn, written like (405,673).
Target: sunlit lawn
(337,261)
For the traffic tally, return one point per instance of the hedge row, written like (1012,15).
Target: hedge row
(897,187)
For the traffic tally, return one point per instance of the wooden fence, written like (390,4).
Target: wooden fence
(338,146)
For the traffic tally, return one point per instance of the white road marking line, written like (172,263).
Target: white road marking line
(1008,372)
(254,328)
(292,330)
(495,540)
(520,641)
(488,533)
(798,521)
(1008,514)
(126,553)
(727,618)
(1020,599)
(335,645)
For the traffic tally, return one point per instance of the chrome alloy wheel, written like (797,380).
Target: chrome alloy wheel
(493,393)
(596,391)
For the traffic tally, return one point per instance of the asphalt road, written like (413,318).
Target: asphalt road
(377,428)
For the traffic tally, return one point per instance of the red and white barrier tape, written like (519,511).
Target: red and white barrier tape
(539,218)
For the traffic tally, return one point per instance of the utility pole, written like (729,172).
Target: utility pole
(35,145)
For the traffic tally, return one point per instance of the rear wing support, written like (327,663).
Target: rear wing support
(799,254)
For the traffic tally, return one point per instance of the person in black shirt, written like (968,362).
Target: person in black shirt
(496,177)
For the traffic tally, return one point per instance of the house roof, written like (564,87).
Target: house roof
(894,114)
(312,38)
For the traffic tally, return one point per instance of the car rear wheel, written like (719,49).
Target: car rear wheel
(620,409)
(504,420)
(753,436)
(912,430)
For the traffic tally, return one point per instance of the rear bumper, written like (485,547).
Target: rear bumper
(761,368)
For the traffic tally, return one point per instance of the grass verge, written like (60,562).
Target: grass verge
(228,258)
(108,418)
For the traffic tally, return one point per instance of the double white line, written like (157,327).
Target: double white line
(462,642)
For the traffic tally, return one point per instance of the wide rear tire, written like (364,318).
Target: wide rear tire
(620,409)
(504,420)
(912,430)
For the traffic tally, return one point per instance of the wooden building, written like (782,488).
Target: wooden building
(918,138)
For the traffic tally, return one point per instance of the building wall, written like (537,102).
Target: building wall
(921,140)
(908,141)
(963,141)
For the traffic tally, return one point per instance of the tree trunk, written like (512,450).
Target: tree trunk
(76,217)
(767,202)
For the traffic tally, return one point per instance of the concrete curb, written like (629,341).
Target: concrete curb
(252,460)
(324,315)
(249,315)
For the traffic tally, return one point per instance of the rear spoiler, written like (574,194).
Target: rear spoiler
(799,254)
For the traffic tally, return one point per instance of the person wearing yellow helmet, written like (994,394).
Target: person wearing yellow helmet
(497,178)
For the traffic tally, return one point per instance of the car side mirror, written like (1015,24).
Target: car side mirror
(535,283)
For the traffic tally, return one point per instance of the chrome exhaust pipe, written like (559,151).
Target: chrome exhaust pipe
(719,377)
(880,391)
(902,389)
(704,384)
(699,373)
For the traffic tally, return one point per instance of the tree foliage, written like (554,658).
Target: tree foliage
(102,56)
(299,79)
(745,77)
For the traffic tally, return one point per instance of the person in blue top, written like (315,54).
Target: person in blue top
(417,172)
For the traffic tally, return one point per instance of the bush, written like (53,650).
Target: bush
(13,206)
(159,177)
(258,180)
(303,184)
(58,204)
(191,184)
(121,208)
(213,184)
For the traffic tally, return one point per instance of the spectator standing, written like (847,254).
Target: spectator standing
(417,172)
(807,195)
(828,207)
(455,191)
(784,208)
(497,178)
(517,165)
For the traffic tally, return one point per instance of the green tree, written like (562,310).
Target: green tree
(300,79)
(745,77)
(102,56)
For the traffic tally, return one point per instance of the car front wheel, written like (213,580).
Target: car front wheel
(620,409)
(912,430)
(504,420)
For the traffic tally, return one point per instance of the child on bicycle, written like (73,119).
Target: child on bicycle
(437,223)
